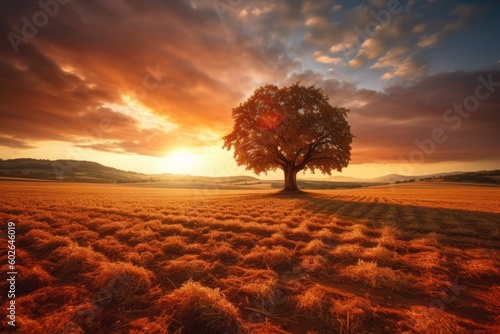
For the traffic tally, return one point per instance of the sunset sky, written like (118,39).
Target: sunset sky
(149,85)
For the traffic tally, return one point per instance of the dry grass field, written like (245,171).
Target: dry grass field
(410,258)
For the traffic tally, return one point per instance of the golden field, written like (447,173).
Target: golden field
(417,257)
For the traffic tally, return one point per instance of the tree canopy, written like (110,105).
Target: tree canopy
(292,128)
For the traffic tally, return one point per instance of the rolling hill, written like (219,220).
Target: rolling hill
(93,172)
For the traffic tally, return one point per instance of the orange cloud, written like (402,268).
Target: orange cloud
(147,77)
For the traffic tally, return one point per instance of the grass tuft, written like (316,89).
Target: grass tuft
(41,243)
(70,262)
(33,278)
(421,319)
(147,326)
(198,309)
(123,284)
(337,313)
(378,277)
(277,258)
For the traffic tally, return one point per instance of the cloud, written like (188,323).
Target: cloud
(369,35)
(468,10)
(434,39)
(147,77)
(370,49)
(401,115)
(14,143)
(430,40)
(387,124)
(317,21)
(94,58)
(419,29)
(341,47)
(321,58)
(390,59)
(400,65)
(336,8)
(461,16)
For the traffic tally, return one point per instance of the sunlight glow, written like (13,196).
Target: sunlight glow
(182,162)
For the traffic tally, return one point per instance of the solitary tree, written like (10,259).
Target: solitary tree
(293,128)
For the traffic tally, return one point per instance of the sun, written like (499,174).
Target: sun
(182,162)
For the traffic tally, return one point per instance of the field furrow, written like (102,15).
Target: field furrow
(352,261)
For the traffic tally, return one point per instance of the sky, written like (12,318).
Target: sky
(149,85)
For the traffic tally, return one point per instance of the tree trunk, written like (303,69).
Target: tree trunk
(290,178)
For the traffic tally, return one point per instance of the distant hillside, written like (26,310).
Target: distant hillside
(491,176)
(66,170)
(392,178)
(475,177)
(87,171)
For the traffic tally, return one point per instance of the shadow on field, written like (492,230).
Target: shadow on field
(460,228)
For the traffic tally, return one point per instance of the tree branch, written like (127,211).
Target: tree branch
(310,151)
(279,136)
(280,155)
(298,152)
(279,162)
